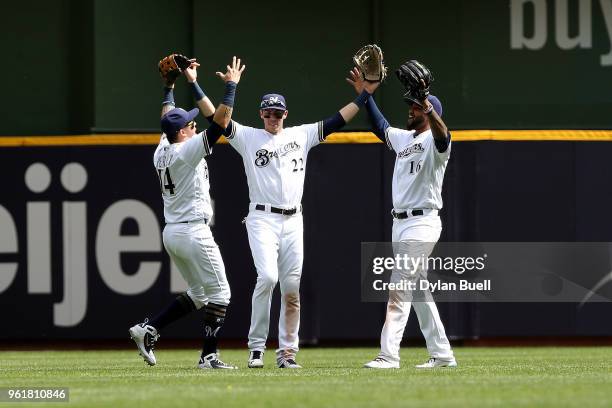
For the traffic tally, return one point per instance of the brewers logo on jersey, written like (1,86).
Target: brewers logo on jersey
(275,165)
(419,169)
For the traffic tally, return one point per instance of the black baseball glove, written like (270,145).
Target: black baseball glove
(416,78)
(172,66)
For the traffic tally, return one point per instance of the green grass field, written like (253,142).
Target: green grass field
(501,377)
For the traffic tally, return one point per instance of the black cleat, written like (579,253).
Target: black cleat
(212,361)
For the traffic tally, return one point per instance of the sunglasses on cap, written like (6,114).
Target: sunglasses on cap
(275,102)
(191,124)
(278,114)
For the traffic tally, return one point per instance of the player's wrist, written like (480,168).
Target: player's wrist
(230,93)
(197,91)
(427,107)
(168,96)
(362,98)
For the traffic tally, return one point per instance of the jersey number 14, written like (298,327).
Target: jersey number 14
(165,181)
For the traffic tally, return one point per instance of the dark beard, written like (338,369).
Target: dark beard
(415,123)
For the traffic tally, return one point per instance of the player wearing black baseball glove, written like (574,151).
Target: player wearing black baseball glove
(417,79)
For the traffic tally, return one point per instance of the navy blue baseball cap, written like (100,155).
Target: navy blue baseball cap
(273,101)
(435,102)
(176,119)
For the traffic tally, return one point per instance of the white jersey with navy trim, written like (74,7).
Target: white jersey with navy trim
(419,169)
(183,178)
(275,164)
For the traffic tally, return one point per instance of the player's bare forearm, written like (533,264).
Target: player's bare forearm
(206,107)
(344,115)
(349,111)
(223,115)
(204,103)
(168,100)
(166,108)
(363,88)
(438,127)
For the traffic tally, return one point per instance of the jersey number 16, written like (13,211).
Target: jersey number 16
(415,166)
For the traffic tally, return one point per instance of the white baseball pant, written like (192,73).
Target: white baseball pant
(417,236)
(194,251)
(277,246)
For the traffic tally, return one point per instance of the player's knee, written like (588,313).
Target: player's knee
(224,297)
(267,281)
(219,295)
(198,297)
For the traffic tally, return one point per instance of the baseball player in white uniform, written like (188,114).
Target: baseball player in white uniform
(184,183)
(275,160)
(422,152)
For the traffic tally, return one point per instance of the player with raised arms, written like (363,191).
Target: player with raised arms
(183,179)
(422,152)
(275,159)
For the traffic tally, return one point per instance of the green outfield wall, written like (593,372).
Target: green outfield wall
(89,66)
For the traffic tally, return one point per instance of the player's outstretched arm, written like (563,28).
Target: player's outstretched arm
(348,112)
(223,114)
(364,89)
(439,129)
(378,121)
(168,99)
(167,102)
(206,107)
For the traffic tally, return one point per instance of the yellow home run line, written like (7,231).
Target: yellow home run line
(343,137)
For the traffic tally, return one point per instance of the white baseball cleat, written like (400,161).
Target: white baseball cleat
(256,359)
(436,362)
(145,337)
(380,362)
(211,361)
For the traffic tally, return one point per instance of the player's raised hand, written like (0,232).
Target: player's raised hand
(233,72)
(355,80)
(359,84)
(191,72)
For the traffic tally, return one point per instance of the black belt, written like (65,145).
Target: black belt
(194,221)
(275,210)
(404,215)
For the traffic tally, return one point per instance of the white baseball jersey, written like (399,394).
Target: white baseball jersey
(183,178)
(275,164)
(419,169)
